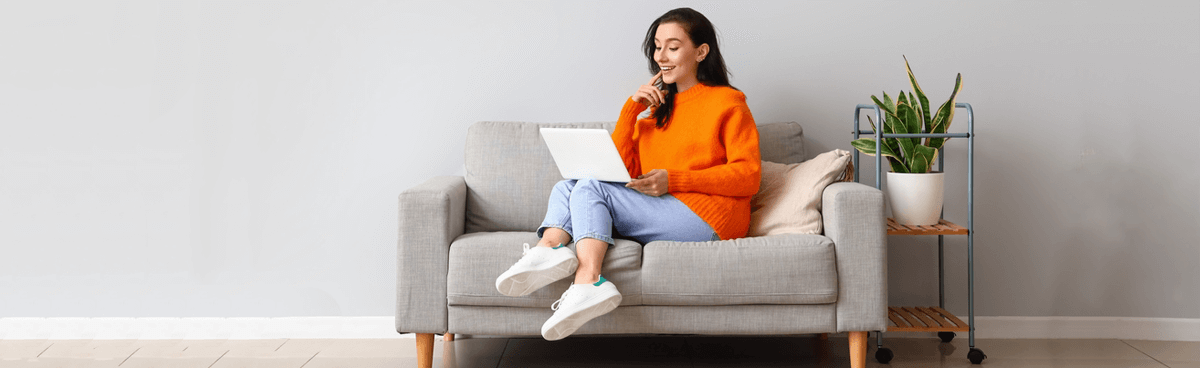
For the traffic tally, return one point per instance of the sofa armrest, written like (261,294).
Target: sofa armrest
(432,215)
(854,220)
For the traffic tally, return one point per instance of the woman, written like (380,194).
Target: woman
(696,160)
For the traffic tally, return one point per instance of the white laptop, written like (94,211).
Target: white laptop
(585,153)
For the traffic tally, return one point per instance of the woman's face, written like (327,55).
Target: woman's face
(676,55)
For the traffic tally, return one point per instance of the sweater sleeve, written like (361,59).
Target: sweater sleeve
(741,174)
(625,136)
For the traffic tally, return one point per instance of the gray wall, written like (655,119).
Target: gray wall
(206,158)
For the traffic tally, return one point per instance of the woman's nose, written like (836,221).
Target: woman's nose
(660,56)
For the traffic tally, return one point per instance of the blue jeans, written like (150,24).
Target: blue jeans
(595,209)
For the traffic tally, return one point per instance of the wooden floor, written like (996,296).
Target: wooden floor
(612,351)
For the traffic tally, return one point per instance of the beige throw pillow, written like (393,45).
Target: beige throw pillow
(789,197)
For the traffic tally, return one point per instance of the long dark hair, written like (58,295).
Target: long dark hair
(711,70)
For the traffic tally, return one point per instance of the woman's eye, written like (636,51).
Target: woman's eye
(674,48)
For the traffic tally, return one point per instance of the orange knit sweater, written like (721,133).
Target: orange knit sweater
(709,148)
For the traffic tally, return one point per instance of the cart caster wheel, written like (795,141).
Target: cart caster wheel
(883,355)
(976,356)
(946,336)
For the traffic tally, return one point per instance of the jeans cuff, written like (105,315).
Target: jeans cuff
(600,237)
(542,229)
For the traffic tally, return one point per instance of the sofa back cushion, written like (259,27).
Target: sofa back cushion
(510,173)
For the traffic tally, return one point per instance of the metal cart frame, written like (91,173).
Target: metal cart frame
(899,314)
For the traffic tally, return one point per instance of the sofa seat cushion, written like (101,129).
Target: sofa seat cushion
(776,269)
(476,259)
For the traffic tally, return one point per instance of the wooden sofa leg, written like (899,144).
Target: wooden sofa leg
(424,350)
(448,355)
(858,349)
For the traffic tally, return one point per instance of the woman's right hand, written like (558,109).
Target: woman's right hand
(649,94)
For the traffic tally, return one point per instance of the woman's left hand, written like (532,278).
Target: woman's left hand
(653,183)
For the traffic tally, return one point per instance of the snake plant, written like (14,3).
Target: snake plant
(910,113)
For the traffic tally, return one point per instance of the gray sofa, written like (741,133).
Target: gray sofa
(458,233)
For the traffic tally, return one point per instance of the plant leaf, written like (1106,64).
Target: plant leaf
(912,101)
(889,145)
(945,116)
(928,119)
(902,106)
(892,125)
(867,146)
(922,159)
(900,126)
(912,122)
(886,104)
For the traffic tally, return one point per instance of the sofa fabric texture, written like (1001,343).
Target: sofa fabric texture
(782,269)
(431,216)
(854,221)
(477,258)
(757,319)
(458,233)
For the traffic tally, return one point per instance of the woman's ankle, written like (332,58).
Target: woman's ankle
(582,279)
(548,244)
(553,237)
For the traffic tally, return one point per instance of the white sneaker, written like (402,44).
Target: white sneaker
(578,305)
(538,267)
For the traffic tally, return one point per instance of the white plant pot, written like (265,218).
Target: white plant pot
(916,199)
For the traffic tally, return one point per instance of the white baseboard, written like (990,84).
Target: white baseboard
(1173,329)
(1124,328)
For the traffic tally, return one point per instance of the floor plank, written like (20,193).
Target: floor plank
(663,351)
(22,349)
(261,362)
(1175,351)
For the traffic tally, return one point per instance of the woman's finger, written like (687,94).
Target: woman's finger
(640,97)
(638,185)
(654,79)
(653,92)
(644,98)
(649,92)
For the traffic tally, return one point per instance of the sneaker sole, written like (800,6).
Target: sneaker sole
(569,325)
(525,283)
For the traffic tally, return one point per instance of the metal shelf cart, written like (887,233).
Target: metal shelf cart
(930,319)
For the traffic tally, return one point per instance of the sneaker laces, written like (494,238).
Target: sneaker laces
(564,296)
(525,254)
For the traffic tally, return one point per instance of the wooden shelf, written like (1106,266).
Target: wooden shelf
(943,227)
(924,319)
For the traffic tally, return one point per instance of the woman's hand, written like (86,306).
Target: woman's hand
(649,94)
(653,183)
